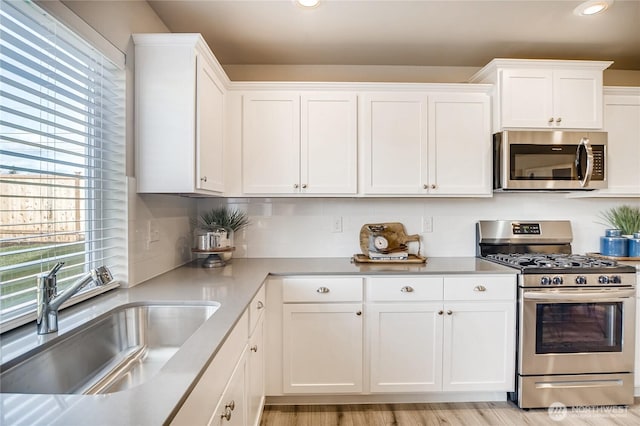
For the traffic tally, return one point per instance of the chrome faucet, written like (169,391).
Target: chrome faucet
(49,301)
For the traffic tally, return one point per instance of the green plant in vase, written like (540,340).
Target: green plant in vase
(221,224)
(626,218)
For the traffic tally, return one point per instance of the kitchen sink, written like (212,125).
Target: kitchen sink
(120,349)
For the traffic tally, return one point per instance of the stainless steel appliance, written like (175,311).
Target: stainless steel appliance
(549,160)
(576,316)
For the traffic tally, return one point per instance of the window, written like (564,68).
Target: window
(62,158)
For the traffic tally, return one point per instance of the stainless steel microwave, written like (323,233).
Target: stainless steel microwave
(549,160)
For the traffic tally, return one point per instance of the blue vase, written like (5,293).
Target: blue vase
(634,245)
(613,244)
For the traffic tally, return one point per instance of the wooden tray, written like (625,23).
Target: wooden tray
(361,258)
(613,257)
(394,232)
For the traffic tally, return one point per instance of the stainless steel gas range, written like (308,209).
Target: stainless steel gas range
(576,316)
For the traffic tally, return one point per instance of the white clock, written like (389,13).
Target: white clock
(380,242)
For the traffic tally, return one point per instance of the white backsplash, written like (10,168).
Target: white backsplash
(288,227)
(170,216)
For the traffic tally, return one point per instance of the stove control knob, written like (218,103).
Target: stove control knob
(545,280)
(603,279)
(581,279)
(558,281)
(615,279)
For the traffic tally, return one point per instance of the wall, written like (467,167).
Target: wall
(171,215)
(287,227)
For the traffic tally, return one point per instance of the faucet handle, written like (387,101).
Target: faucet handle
(55,270)
(103,276)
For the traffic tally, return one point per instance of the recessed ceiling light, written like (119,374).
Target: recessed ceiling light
(308,3)
(592,7)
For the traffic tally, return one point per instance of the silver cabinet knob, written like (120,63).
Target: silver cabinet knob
(323,290)
(295,186)
(440,312)
(449,312)
(479,288)
(425,186)
(231,405)
(559,120)
(407,289)
(359,313)
(254,348)
(260,305)
(226,415)
(551,120)
(203,178)
(433,186)
(304,186)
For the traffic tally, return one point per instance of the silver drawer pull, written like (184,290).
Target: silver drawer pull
(407,289)
(323,290)
(254,348)
(260,305)
(479,288)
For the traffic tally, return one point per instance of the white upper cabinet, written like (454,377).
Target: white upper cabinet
(271,143)
(459,144)
(299,143)
(426,143)
(394,134)
(179,106)
(545,94)
(622,123)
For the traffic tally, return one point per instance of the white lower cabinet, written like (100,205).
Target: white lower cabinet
(479,346)
(459,339)
(322,335)
(637,367)
(231,390)
(405,343)
(232,407)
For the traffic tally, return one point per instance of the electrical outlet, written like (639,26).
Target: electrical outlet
(336,224)
(153,231)
(427,224)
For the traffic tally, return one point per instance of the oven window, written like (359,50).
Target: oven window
(543,162)
(578,327)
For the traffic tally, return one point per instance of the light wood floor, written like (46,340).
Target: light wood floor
(454,414)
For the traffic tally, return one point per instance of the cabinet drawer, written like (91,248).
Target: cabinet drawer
(256,308)
(480,287)
(391,289)
(322,290)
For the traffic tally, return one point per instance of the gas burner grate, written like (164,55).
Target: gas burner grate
(541,260)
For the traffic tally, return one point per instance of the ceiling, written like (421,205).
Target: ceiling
(396,32)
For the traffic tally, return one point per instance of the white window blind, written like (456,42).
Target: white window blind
(62,157)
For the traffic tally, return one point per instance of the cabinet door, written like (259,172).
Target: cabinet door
(394,140)
(577,99)
(271,143)
(527,98)
(637,368)
(405,347)
(479,346)
(209,132)
(622,122)
(322,348)
(255,381)
(231,410)
(328,143)
(459,144)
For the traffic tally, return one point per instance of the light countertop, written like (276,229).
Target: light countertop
(233,286)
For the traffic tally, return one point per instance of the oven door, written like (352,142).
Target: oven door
(574,331)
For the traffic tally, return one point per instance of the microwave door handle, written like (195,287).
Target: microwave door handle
(585,144)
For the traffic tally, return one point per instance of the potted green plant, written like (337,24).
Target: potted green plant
(219,225)
(625,217)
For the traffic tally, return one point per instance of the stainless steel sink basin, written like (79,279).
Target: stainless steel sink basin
(116,351)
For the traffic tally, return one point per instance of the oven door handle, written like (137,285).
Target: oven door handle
(589,296)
